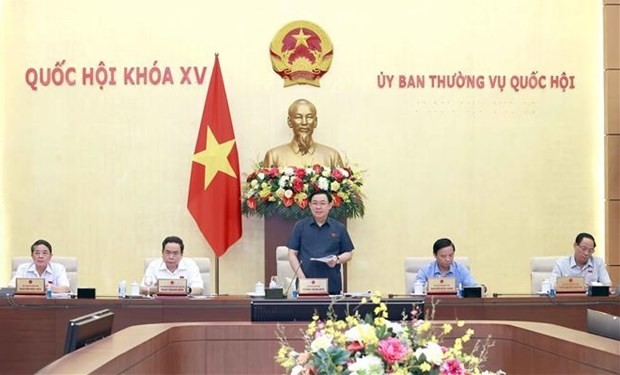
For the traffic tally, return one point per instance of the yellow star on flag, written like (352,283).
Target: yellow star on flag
(302,39)
(215,158)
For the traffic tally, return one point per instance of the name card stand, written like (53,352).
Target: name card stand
(312,288)
(441,285)
(172,287)
(30,285)
(570,285)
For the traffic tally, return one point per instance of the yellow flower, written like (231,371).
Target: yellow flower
(447,328)
(424,327)
(280,193)
(334,186)
(458,345)
(460,323)
(364,300)
(425,367)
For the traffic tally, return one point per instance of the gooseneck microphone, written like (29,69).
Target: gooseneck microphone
(290,285)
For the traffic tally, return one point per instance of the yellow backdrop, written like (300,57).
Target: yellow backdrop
(102,173)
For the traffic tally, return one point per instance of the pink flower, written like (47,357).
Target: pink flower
(300,172)
(452,367)
(392,350)
(337,174)
(274,172)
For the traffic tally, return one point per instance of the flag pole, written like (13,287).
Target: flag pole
(217,275)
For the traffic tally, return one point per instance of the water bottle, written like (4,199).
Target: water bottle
(48,291)
(122,289)
(460,292)
(552,287)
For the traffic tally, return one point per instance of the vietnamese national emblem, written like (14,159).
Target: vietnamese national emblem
(301,53)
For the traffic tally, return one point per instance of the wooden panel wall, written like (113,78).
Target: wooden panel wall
(611,37)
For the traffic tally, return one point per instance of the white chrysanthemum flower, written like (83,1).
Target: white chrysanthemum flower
(327,171)
(288,193)
(321,342)
(309,171)
(283,181)
(432,352)
(288,171)
(323,183)
(261,176)
(397,328)
(369,364)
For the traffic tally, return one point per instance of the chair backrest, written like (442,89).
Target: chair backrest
(70,263)
(283,268)
(540,269)
(413,265)
(204,265)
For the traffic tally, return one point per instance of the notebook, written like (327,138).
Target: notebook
(172,287)
(441,285)
(30,285)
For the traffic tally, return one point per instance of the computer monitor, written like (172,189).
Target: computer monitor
(87,329)
(603,324)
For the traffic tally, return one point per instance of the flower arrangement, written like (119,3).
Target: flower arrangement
(377,346)
(285,191)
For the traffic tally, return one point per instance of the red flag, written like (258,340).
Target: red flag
(214,198)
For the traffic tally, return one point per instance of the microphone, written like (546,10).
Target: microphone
(290,285)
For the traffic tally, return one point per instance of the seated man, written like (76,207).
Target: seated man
(172,265)
(320,236)
(53,273)
(445,266)
(582,263)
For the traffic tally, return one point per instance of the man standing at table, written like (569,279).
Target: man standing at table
(320,236)
(582,263)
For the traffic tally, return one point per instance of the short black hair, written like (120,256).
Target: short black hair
(172,239)
(441,243)
(583,235)
(40,242)
(317,192)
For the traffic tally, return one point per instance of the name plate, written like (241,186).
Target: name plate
(441,285)
(312,287)
(571,284)
(172,287)
(30,285)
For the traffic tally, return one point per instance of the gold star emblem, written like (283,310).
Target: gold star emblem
(215,157)
(302,39)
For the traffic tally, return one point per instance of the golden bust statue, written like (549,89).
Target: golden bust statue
(302,150)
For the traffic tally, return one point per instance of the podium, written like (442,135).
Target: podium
(277,231)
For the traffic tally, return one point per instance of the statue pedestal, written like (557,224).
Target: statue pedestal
(277,231)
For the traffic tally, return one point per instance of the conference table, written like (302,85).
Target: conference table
(33,329)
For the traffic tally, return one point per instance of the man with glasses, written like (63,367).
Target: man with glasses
(582,263)
(320,236)
(172,265)
(41,266)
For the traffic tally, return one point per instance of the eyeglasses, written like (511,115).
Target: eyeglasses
(586,250)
